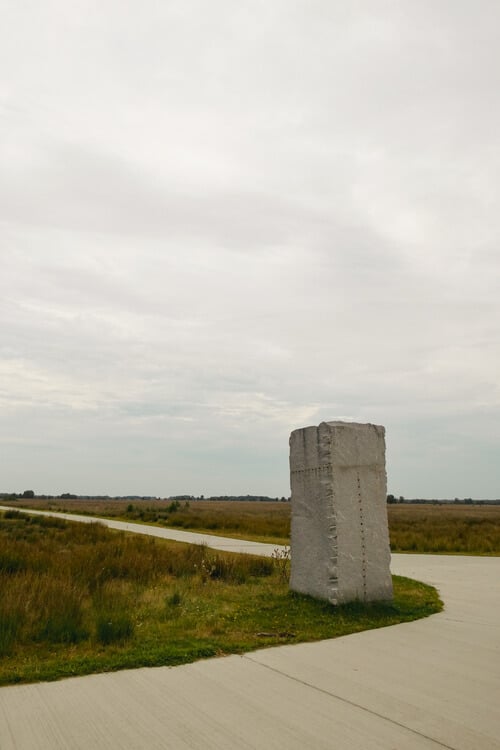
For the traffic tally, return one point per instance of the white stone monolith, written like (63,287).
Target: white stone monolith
(340,539)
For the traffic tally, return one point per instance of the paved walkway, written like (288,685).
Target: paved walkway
(225,543)
(431,684)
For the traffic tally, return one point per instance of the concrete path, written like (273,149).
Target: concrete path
(222,543)
(434,683)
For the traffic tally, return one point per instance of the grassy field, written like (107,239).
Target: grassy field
(267,522)
(449,529)
(80,598)
(460,529)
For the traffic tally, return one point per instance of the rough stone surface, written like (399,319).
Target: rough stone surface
(340,538)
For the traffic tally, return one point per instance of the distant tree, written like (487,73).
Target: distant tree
(391,499)
(28,493)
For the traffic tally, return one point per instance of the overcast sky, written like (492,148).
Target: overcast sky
(221,221)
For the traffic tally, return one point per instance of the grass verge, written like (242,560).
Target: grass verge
(78,599)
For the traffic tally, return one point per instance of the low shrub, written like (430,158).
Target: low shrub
(10,562)
(9,514)
(113,627)
(174,599)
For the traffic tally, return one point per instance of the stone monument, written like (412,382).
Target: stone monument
(340,539)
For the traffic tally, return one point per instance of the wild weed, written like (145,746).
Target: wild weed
(112,627)
(56,610)
(281,559)
(174,599)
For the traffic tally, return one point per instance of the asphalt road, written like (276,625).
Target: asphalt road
(434,683)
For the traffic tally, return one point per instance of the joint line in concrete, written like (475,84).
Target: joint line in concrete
(349,702)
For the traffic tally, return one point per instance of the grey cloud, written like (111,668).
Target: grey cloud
(87,191)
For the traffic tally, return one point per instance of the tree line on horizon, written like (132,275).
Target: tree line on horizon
(391,499)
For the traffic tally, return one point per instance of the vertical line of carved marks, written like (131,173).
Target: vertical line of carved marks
(363,539)
(333,580)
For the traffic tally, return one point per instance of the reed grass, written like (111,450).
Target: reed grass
(450,528)
(80,598)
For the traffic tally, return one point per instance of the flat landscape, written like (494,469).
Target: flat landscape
(422,528)
(445,529)
(81,598)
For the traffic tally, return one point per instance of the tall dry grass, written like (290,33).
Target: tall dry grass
(263,520)
(450,528)
(79,598)
(64,583)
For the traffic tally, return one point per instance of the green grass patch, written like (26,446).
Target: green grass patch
(81,598)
